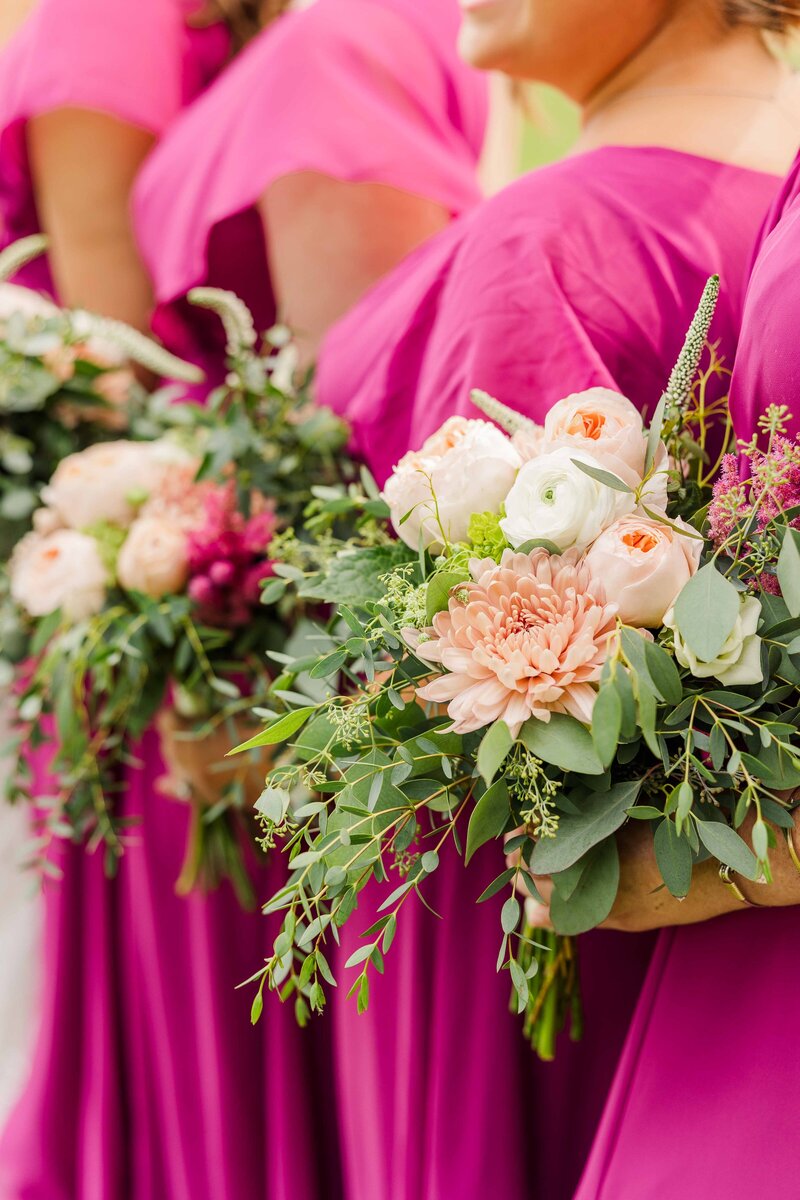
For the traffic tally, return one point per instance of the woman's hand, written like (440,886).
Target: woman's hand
(197,767)
(643,902)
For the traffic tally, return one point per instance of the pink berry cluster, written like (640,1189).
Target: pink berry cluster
(228,558)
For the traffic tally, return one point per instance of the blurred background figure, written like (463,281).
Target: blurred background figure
(20,915)
(148,1082)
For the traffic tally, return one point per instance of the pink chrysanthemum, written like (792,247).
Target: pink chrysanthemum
(527,638)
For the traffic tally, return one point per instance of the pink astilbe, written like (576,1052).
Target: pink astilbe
(526,638)
(770,489)
(729,504)
(228,557)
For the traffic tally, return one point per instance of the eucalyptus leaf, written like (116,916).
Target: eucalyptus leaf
(600,816)
(437,593)
(673,857)
(663,672)
(607,723)
(564,742)
(278,732)
(726,845)
(593,898)
(493,750)
(489,817)
(611,481)
(789,570)
(706,611)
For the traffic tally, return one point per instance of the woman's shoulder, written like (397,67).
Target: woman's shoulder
(623,189)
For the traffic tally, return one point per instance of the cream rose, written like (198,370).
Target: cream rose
(602,423)
(643,565)
(609,427)
(98,484)
(60,570)
(466,467)
(153,558)
(739,660)
(554,500)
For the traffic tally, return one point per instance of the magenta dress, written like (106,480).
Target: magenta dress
(704,1101)
(136,60)
(584,273)
(386,101)
(149,1082)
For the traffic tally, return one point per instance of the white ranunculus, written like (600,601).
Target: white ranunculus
(466,467)
(739,660)
(99,483)
(554,500)
(60,570)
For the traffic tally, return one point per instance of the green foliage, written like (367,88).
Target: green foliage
(706,611)
(485,535)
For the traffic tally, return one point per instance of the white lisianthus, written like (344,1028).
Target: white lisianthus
(554,500)
(739,660)
(60,570)
(465,467)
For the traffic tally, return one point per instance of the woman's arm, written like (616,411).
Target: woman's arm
(84,164)
(643,902)
(329,241)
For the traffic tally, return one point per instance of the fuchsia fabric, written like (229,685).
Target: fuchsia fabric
(704,1102)
(149,1083)
(584,273)
(384,99)
(137,60)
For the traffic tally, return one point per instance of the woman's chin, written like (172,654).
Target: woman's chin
(481,51)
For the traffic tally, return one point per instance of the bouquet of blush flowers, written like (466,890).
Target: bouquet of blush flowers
(545,655)
(140,585)
(65,383)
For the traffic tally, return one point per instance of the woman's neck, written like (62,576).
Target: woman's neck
(692,88)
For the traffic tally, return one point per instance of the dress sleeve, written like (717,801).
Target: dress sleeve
(351,89)
(503,302)
(136,60)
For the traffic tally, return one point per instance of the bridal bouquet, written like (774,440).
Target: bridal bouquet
(573,641)
(141,584)
(65,383)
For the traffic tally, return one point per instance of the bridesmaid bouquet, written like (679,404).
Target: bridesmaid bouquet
(65,383)
(140,584)
(565,638)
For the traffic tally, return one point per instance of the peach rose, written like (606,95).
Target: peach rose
(153,558)
(60,570)
(60,362)
(643,565)
(465,467)
(99,483)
